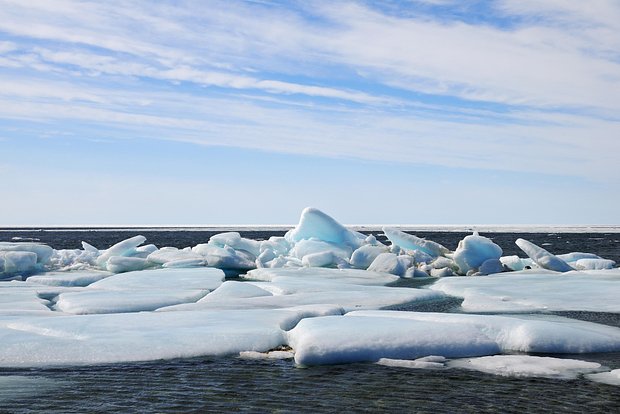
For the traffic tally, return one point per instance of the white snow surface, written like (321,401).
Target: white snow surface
(528,366)
(537,290)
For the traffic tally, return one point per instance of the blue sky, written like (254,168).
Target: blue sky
(244,112)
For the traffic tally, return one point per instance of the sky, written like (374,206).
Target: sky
(245,112)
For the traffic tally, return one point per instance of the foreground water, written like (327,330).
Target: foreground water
(233,384)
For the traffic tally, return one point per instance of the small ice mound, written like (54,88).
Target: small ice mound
(314,224)
(594,264)
(527,366)
(120,264)
(391,263)
(234,240)
(489,267)
(609,378)
(429,362)
(172,254)
(42,251)
(410,242)
(266,355)
(125,248)
(542,257)
(574,256)
(473,251)
(364,255)
(516,263)
(320,259)
(225,257)
(18,262)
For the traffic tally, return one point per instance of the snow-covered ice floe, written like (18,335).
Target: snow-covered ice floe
(536,290)
(145,290)
(136,302)
(371,335)
(145,336)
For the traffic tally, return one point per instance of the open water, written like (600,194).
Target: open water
(230,384)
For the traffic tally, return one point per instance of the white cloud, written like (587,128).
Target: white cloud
(113,63)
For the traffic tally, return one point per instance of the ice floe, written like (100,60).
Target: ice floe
(610,378)
(428,362)
(145,336)
(528,366)
(141,291)
(537,290)
(371,335)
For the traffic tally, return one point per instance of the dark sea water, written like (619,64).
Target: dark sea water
(230,384)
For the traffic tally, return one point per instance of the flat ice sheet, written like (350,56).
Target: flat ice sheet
(354,297)
(120,301)
(534,290)
(181,278)
(145,290)
(350,276)
(528,366)
(301,288)
(372,335)
(145,336)
(76,278)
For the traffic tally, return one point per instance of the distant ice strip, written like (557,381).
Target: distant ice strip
(453,228)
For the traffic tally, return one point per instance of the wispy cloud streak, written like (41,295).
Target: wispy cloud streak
(342,79)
